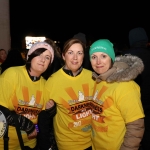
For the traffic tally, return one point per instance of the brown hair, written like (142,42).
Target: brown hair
(70,42)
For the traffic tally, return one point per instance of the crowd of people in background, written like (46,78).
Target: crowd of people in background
(92,94)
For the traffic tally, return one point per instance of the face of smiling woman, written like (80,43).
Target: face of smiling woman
(40,63)
(100,62)
(74,58)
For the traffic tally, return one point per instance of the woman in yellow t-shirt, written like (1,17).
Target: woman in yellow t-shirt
(117,113)
(71,88)
(21,90)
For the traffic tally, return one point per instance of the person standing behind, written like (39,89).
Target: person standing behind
(138,42)
(71,87)
(117,113)
(14,58)
(21,90)
(3,56)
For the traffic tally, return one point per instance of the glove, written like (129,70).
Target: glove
(51,111)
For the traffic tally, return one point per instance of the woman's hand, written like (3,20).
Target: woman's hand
(32,135)
(51,108)
(49,104)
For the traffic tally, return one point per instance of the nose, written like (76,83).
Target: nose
(75,56)
(42,58)
(98,61)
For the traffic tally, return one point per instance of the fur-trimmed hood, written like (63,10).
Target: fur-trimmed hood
(125,68)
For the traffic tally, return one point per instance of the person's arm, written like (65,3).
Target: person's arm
(133,136)
(25,124)
(46,132)
(51,108)
(45,136)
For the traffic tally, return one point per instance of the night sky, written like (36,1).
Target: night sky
(61,20)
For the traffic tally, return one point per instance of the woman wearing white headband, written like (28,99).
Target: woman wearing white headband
(21,90)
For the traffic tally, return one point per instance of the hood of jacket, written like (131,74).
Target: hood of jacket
(125,68)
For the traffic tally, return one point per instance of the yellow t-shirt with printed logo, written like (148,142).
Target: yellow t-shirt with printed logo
(18,92)
(72,123)
(114,105)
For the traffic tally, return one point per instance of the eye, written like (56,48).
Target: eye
(93,57)
(70,52)
(80,53)
(47,57)
(104,56)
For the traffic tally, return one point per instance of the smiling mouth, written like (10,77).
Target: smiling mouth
(99,66)
(41,65)
(74,63)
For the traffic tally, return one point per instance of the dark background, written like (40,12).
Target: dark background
(60,20)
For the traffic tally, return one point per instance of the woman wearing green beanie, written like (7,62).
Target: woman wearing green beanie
(117,113)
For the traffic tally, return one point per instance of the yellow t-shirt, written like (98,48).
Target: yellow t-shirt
(18,92)
(72,123)
(114,105)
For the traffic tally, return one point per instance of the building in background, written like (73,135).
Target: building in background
(5,38)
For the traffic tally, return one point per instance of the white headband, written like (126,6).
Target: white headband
(41,45)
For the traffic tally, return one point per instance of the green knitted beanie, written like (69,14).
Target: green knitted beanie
(103,45)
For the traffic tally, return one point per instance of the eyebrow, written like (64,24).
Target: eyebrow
(77,51)
(48,55)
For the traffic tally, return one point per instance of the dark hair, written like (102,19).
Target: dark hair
(37,52)
(2,49)
(70,42)
(57,63)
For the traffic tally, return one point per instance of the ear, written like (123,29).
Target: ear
(63,57)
